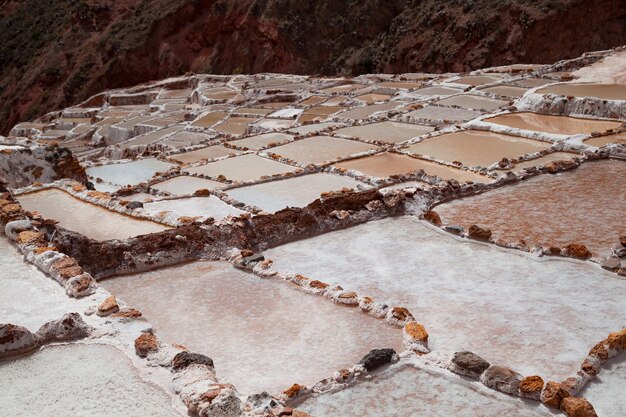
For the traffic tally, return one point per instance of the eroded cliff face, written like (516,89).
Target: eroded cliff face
(56,53)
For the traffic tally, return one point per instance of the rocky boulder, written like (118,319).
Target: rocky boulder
(502,379)
(433,217)
(16,340)
(577,407)
(553,394)
(184,359)
(577,250)
(531,387)
(145,344)
(479,233)
(468,364)
(69,327)
(377,358)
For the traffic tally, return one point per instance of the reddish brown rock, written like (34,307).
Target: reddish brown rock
(599,351)
(202,193)
(127,313)
(530,387)
(294,390)
(108,306)
(401,314)
(589,367)
(433,217)
(78,187)
(318,284)
(577,407)
(502,379)
(16,340)
(553,394)
(480,233)
(577,250)
(145,344)
(29,237)
(417,332)
(44,249)
(468,364)
(80,286)
(617,340)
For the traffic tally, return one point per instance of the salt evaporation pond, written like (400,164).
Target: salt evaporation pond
(470,101)
(506,91)
(560,125)
(537,316)
(242,168)
(411,392)
(292,192)
(552,209)
(129,173)
(392,132)
(606,392)
(210,152)
(603,140)
(476,80)
(185,185)
(554,156)
(359,113)
(262,141)
(437,90)
(601,91)
(386,164)
(85,218)
(476,148)
(28,297)
(210,206)
(318,149)
(79,380)
(437,113)
(263,334)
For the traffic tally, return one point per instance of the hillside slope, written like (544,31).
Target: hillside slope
(57,52)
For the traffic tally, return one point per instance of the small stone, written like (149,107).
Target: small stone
(531,387)
(433,217)
(401,314)
(202,193)
(318,284)
(377,358)
(184,359)
(127,313)
(577,250)
(480,233)
(617,340)
(69,327)
(134,205)
(80,286)
(454,229)
(223,406)
(610,264)
(29,237)
(553,394)
(502,379)
(468,364)
(16,340)
(599,351)
(294,390)
(146,343)
(577,407)
(108,306)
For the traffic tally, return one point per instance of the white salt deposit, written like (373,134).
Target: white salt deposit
(539,317)
(130,173)
(79,380)
(205,207)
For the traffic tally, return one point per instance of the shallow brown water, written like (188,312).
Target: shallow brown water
(561,125)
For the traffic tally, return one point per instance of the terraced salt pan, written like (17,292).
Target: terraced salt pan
(204,207)
(601,91)
(292,192)
(242,168)
(262,141)
(411,392)
(553,209)
(185,138)
(560,125)
(444,113)
(185,185)
(27,297)
(209,119)
(470,101)
(359,113)
(210,152)
(392,132)
(476,80)
(606,393)
(476,148)
(81,381)
(274,124)
(129,173)
(317,149)
(538,316)
(263,334)
(386,164)
(86,218)
(437,91)
(534,82)
(603,140)
(313,128)
(506,91)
